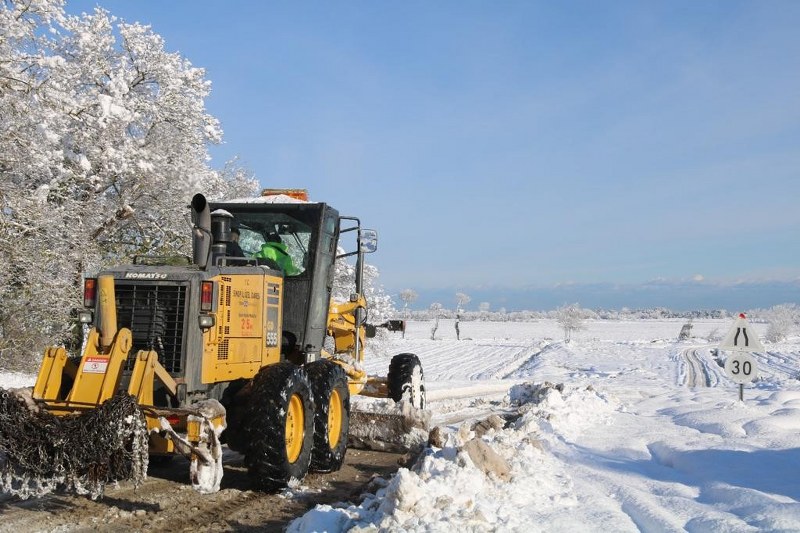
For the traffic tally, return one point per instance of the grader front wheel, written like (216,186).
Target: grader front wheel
(278,426)
(331,417)
(295,428)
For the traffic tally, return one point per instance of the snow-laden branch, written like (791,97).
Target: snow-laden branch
(104,139)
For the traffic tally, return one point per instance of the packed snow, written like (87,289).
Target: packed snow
(622,429)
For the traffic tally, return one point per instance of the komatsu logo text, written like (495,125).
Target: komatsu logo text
(145,275)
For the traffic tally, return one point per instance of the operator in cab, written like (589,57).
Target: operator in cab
(274,249)
(232,247)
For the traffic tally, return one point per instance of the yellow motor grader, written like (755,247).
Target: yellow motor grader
(225,348)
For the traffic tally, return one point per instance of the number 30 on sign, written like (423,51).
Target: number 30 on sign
(741,367)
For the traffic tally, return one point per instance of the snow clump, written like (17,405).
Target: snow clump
(560,411)
(459,486)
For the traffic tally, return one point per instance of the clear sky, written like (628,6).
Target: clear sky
(518,143)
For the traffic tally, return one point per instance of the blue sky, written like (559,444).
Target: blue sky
(519,144)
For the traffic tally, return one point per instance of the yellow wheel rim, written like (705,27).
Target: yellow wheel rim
(334,419)
(295,418)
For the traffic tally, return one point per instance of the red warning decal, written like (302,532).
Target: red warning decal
(95,365)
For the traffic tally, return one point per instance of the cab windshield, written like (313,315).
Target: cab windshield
(291,234)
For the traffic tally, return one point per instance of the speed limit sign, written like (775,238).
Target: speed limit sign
(741,367)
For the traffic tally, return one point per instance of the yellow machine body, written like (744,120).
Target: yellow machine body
(244,338)
(187,339)
(247,331)
(349,340)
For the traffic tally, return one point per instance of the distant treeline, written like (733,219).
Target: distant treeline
(602,314)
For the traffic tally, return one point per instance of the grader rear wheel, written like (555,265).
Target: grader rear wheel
(406,381)
(278,428)
(331,416)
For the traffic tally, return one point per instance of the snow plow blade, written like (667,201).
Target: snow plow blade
(41,452)
(388,426)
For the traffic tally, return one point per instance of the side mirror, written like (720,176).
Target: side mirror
(368,241)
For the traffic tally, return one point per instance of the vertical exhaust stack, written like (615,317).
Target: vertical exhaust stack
(201,232)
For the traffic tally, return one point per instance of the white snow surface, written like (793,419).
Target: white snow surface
(646,434)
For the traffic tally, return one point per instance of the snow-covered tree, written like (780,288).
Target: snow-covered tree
(461,300)
(103,140)
(409,296)
(570,318)
(380,304)
(436,309)
(233,181)
(686,331)
(782,320)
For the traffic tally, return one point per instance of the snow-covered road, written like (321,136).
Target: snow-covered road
(639,432)
(647,434)
(697,368)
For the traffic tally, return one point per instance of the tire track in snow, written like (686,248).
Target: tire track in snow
(624,503)
(783,364)
(694,371)
(630,501)
(471,360)
(527,358)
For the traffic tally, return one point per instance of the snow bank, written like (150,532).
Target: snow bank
(510,486)
(558,412)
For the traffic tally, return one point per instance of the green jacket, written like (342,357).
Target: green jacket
(276,251)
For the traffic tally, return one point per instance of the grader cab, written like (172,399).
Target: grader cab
(222,349)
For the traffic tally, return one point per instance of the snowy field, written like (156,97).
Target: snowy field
(639,432)
(647,434)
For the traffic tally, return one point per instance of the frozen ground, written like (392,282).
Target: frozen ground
(646,434)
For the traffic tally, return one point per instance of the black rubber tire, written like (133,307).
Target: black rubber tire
(401,380)
(327,377)
(264,426)
(235,399)
(160,461)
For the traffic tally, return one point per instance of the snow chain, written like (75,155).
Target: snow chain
(41,452)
